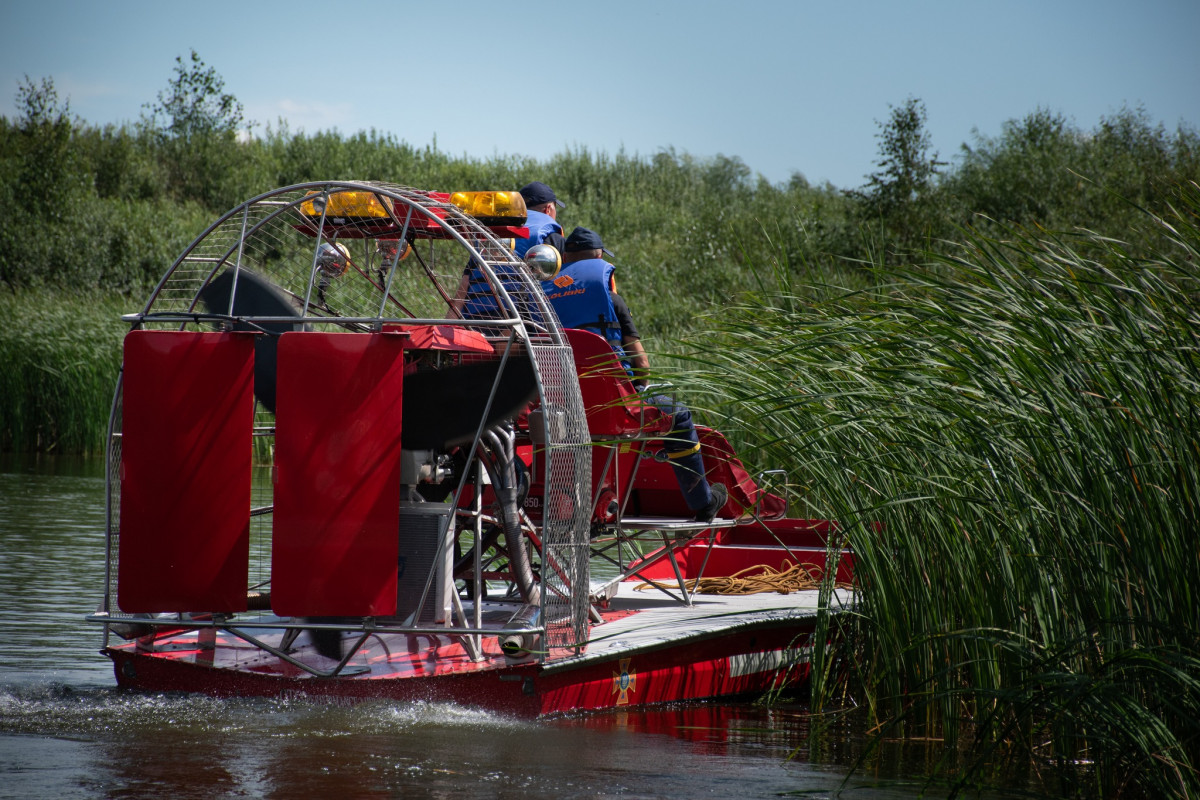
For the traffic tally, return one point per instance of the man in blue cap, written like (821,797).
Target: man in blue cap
(541,207)
(584,295)
(474,296)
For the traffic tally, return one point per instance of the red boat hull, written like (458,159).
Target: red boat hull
(749,659)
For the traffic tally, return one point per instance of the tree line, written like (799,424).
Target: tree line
(96,214)
(109,207)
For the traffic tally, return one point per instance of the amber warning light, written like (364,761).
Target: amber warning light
(492,208)
(342,207)
(375,213)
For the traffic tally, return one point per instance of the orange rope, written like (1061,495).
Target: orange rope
(792,578)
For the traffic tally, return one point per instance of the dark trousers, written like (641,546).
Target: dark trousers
(682,448)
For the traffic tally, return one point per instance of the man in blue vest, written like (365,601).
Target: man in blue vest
(474,297)
(584,296)
(541,208)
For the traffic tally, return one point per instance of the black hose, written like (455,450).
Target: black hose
(510,488)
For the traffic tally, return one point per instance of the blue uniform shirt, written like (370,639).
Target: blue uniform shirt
(540,226)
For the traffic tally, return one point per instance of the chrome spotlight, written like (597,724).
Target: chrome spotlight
(544,260)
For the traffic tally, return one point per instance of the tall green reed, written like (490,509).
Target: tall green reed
(61,356)
(1010,436)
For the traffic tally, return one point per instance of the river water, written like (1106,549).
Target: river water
(67,732)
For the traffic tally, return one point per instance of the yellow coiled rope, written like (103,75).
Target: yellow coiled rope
(791,578)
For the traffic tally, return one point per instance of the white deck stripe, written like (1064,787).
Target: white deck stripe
(754,663)
(664,621)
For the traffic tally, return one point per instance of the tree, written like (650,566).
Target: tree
(1026,175)
(195,124)
(194,106)
(46,177)
(896,195)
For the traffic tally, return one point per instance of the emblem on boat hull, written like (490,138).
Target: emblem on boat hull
(624,682)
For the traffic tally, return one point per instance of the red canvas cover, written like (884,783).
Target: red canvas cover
(187,420)
(335,534)
(443,337)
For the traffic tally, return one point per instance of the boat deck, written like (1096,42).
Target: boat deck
(635,622)
(644,620)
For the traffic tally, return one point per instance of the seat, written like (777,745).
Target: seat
(613,406)
(620,423)
(623,427)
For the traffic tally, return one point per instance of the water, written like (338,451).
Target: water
(67,732)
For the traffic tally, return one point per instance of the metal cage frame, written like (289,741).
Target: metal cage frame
(272,235)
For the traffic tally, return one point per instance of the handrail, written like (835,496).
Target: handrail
(104,618)
(200,316)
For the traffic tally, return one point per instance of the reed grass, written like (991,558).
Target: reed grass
(1009,434)
(61,356)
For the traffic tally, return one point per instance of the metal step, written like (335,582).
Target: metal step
(673,524)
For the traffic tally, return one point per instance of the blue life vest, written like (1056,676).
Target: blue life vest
(480,303)
(540,226)
(580,294)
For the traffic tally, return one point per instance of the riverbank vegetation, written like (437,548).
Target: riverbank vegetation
(1009,433)
(984,367)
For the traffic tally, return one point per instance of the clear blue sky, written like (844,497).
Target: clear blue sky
(785,86)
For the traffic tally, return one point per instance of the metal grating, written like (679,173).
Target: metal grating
(569,460)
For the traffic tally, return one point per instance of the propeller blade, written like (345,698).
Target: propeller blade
(442,407)
(256,297)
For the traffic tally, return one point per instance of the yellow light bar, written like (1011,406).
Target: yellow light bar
(347,205)
(497,208)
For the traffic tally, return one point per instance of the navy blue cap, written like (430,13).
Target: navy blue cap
(585,239)
(538,193)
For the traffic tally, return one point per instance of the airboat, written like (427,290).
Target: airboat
(335,467)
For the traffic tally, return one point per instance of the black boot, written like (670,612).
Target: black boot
(719,497)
